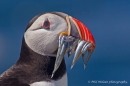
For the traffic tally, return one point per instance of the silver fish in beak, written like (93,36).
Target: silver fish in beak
(70,43)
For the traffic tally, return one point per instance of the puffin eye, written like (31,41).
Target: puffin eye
(46,24)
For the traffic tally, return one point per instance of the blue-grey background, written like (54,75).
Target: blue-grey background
(108,20)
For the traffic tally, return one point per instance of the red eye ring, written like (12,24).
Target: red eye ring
(46,24)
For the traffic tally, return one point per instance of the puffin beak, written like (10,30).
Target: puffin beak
(80,45)
(86,44)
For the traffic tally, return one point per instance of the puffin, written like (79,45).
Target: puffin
(47,39)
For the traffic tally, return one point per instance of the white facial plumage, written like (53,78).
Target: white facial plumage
(45,41)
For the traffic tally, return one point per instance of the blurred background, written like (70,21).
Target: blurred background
(108,20)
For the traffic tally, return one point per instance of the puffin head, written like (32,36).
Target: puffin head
(55,34)
(42,35)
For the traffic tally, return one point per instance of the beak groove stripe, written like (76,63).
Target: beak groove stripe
(85,31)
